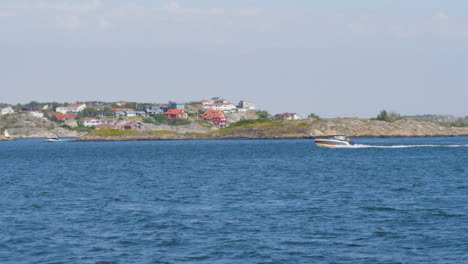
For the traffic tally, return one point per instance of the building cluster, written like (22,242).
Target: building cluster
(6,110)
(212,110)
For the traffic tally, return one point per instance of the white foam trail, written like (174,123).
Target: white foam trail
(406,146)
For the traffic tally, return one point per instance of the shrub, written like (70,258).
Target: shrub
(160,118)
(263,114)
(79,128)
(384,115)
(114,132)
(245,122)
(313,116)
(88,112)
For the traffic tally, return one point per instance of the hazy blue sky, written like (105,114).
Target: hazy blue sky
(332,58)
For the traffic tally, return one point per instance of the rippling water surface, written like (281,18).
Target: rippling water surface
(282,201)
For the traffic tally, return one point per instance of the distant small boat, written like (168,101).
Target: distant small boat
(334,142)
(5,134)
(52,139)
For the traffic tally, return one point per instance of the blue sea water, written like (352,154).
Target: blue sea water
(270,201)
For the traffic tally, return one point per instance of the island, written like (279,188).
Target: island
(205,120)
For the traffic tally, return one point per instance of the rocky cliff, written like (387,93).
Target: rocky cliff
(26,126)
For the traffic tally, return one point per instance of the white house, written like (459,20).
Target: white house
(220,106)
(206,102)
(130,113)
(89,122)
(6,110)
(246,105)
(63,110)
(288,116)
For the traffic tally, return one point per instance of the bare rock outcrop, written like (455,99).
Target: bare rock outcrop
(23,125)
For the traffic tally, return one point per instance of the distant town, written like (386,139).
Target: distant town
(216,112)
(123,115)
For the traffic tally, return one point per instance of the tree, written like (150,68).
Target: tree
(314,116)
(160,118)
(88,112)
(34,105)
(263,114)
(384,115)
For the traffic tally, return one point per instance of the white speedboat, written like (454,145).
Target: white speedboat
(334,142)
(52,139)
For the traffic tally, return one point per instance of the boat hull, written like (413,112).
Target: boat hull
(330,143)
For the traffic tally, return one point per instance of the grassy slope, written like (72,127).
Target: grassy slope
(235,128)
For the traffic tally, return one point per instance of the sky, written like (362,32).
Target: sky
(334,58)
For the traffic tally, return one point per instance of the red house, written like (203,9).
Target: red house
(216,117)
(176,114)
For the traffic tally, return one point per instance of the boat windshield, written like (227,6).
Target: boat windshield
(343,138)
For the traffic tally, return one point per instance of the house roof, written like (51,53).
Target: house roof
(30,110)
(60,116)
(76,105)
(175,112)
(131,123)
(214,114)
(91,119)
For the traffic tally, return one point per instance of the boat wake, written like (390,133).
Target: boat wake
(405,146)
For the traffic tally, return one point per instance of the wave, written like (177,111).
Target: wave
(404,146)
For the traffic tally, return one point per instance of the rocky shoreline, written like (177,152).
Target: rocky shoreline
(257,129)
(2,138)
(304,129)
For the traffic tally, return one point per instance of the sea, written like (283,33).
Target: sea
(393,200)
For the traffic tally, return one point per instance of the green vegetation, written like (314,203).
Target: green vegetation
(384,115)
(250,122)
(37,105)
(263,123)
(88,112)
(454,124)
(204,123)
(54,118)
(314,116)
(302,124)
(159,119)
(263,114)
(178,122)
(113,132)
(79,128)
(254,124)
